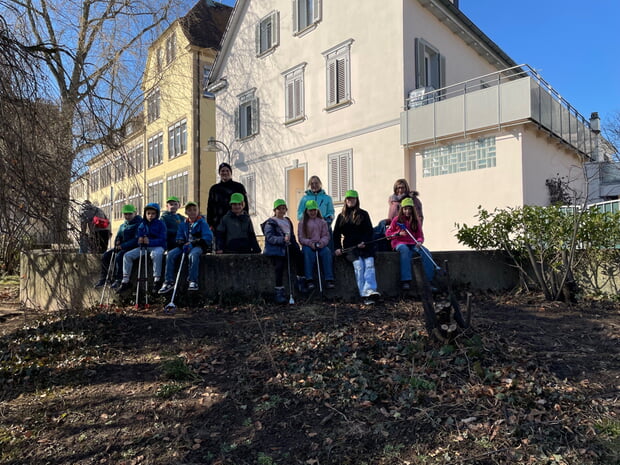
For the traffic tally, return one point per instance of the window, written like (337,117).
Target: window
(135,198)
(156,192)
(94,180)
(106,206)
(135,160)
(171,48)
(463,156)
(153,101)
(249,182)
(305,14)
(340,174)
(177,185)
(105,175)
(177,139)
(430,66)
(156,149)
(118,205)
(159,60)
(246,115)
(294,93)
(268,33)
(338,74)
(119,168)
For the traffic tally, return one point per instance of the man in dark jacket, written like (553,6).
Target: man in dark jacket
(219,196)
(125,240)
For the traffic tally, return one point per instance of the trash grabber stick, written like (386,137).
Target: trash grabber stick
(349,249)
(171,306)
(111,267)
(318,268)
(139,276)
(146,278)
(291,301)
(417,243)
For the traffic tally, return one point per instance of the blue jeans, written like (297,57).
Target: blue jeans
(157,255)
(325,255)
(193,257)
(407,252)
(365,275)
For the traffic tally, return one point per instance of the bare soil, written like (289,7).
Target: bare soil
(331,383)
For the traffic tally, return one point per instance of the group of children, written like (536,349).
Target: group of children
(309,251)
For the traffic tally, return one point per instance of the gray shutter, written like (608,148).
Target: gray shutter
(316,10)
(341,82)
(420,80)
(331,82)
(257,38)
(442,70)
(295,17)
(297,109)
(345,174)
(333,177)
(290,98)
(255,125)
(275,29)
(237,124)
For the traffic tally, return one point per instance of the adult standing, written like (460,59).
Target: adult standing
(94,228)
(325,205)
(219,196)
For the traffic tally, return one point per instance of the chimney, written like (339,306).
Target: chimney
(595,125)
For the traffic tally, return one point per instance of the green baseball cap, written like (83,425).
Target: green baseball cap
(351,193)
(312,205)
(236,198)
(128,209)
(278,203)
(172,198)
(407,202)
(191,204)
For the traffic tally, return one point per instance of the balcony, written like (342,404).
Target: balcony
(494,101)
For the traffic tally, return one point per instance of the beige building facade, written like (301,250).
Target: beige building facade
(366,95)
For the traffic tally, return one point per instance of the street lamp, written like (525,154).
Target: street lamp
(213,147)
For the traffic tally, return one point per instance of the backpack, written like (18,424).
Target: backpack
(101,223)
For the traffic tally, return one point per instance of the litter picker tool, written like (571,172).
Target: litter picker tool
(142,265)
(170,308)
(318,267)
(349,249)
(291,301)
(418,244)
(108,278)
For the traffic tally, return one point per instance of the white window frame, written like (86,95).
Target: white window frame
(171,48)
(340,174)
(155,148)
(177,139)
(306,14)
(155,192)
(178,185)
(294,109)
(247,115)
(153,105)
(136,198)
(338,75)
(268,33)
(249,182)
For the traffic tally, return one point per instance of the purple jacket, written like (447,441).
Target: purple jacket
(317,232)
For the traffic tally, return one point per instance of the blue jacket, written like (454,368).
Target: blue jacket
(274,238)
(326,205)
(127,235)
(198,234)
(155,230)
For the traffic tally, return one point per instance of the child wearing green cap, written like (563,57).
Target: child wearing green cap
(235,233)
(281,245)
(313,234)
(172,219)
(126,239)
(355,226)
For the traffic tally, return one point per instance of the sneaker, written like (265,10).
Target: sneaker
(116,284)
(330,285)
(167,287)
(193,286)
(372,294)
(310,286)
(123,287)
(100,283)
(405,286)
(368,301)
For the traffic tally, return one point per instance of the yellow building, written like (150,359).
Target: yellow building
(162,153)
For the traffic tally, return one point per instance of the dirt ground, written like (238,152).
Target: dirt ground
(532,382)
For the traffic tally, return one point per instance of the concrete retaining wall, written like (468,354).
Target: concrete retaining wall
(59,280)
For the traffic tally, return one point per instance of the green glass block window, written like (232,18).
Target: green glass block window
(464,156)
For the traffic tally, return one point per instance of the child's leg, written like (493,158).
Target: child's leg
(128,260)
(171,264)
(325,254)
(157,255)
(405,261)
(369,279)
(194,263)
(105,264)
(427,262)
(118,266)
(358,269)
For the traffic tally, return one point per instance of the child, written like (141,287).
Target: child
(314,237)
(355,225)
(172,219)
(407,220)
(279,242)
(235,233)
(152,238)
(194,238)
(125,240)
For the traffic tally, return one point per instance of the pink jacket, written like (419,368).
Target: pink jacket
(394,228)
(317,232)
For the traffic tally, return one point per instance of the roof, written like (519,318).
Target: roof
(205,23)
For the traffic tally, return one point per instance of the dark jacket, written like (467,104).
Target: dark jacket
(172,222)
(198,234)
(274,238)
(354,234)
(219,198)
(235,234)
(155,230)
(127,235)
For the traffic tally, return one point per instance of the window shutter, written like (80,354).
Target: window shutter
(420,80)
(345,174)
(295,16)
(316,10)
(442,70)
(290,99)
(258,38)
(237,124)
(275,29)
(341,82)
(331,82)
(255,125)
(297,100)
(333,177)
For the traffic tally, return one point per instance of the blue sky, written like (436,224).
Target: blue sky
(574,45)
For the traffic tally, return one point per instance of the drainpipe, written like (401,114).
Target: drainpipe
(595,125)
